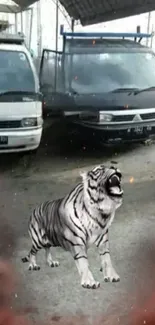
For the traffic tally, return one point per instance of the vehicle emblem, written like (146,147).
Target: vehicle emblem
(137,118)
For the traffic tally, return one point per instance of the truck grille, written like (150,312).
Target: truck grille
(129,118)
(123,118)
(10,124)
(148,116)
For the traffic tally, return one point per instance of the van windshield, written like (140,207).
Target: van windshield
(105,72)
(15,72)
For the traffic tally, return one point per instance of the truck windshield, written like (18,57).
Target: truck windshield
(105,72)
(15,72)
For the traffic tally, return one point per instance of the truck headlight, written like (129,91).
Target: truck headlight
(29,122)
(32,121)
(105,117)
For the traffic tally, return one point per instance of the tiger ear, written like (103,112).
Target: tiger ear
(112,167)
(118,172)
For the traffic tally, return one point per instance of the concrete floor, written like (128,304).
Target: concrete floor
(26,183)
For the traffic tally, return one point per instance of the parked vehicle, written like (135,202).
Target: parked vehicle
(21,119)
(104,82)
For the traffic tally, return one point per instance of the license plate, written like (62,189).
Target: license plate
(3,140)
(138,130)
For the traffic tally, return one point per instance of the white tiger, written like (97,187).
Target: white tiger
(81,218)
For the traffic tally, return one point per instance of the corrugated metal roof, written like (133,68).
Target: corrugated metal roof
(24,3)
(95,11)
(9,8)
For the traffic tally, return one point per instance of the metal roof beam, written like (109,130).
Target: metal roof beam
(102,35)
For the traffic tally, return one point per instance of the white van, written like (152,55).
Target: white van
(21,119)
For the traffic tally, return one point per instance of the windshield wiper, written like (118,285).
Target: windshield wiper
(144,89)
(123,89)
(19,92)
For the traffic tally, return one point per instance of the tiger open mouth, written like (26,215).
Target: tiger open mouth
(114,186)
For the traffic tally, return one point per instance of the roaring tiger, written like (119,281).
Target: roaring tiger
(81,218)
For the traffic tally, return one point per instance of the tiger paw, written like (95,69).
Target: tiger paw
(34,267)
(88,281)
(91,285)
(110,275)
(54,264)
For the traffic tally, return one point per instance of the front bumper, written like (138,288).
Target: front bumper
(20,140)
(126,132)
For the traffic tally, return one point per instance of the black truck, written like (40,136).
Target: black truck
(104,82)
